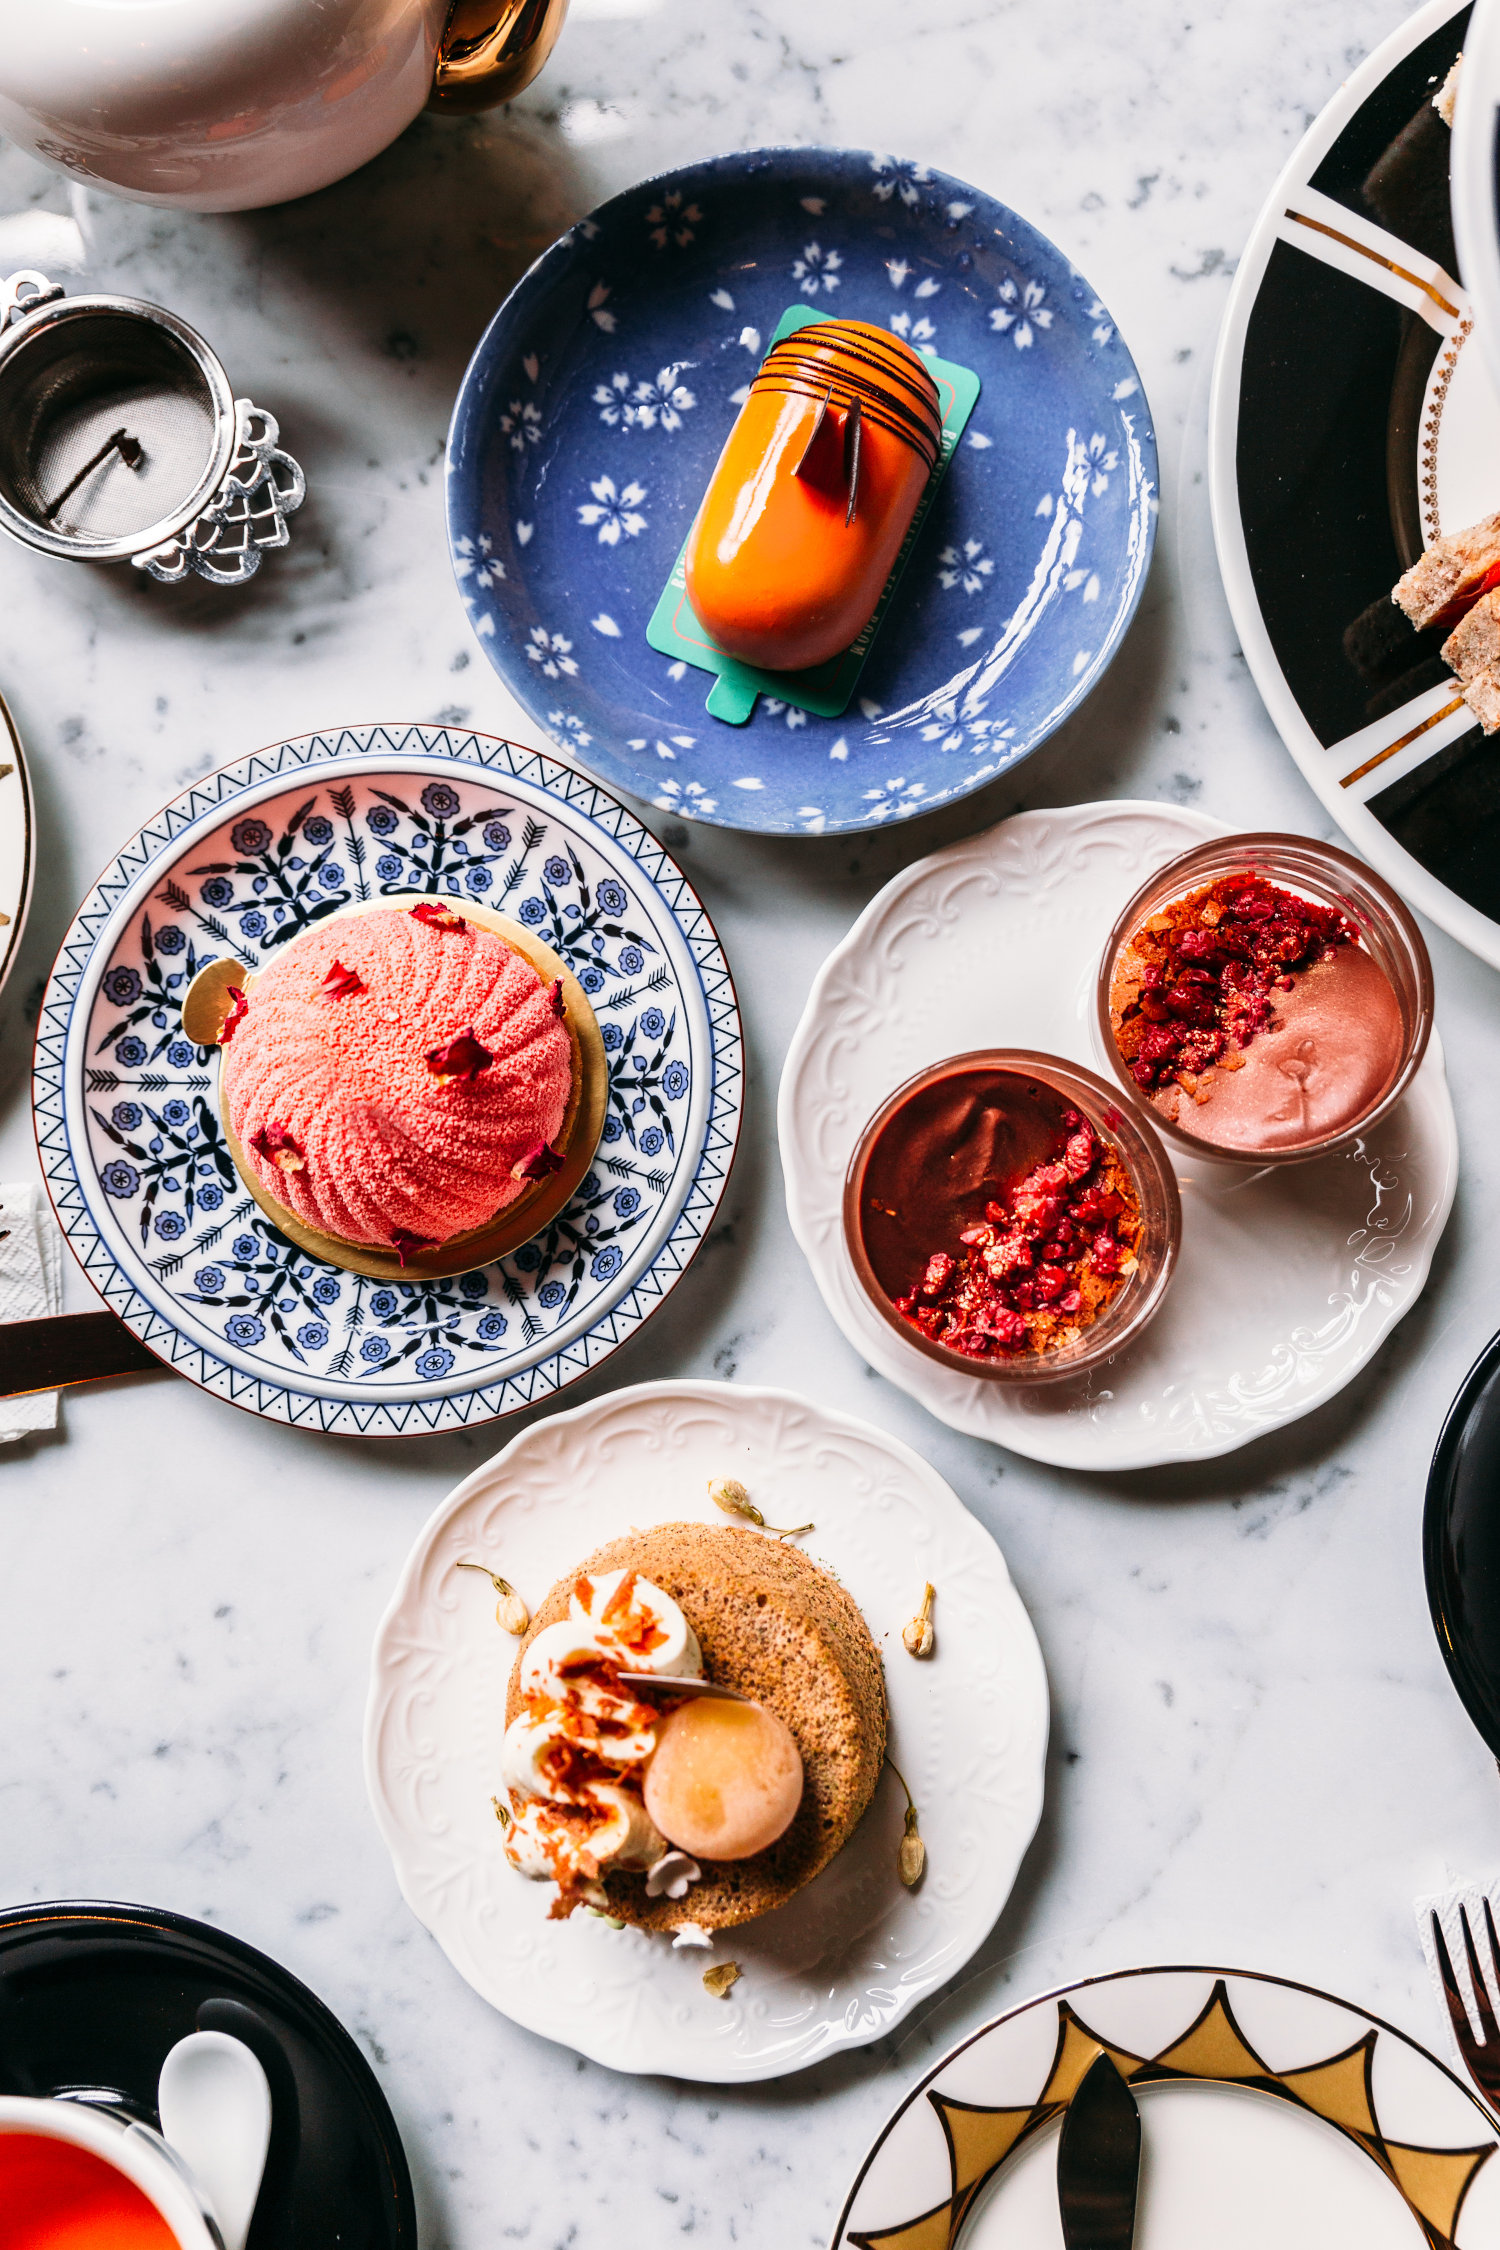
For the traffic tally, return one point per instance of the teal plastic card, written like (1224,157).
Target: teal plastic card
(826,689)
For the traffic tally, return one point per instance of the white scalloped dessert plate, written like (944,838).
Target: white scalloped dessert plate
(1287,1282)
(17,842)
(843,1962)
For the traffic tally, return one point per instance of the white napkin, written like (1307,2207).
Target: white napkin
(1446,1905)
(30,1289)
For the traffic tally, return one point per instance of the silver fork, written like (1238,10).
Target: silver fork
(1481,2056)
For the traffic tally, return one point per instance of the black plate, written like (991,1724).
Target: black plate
(93,1996)
(1323,499)
(1461,1543)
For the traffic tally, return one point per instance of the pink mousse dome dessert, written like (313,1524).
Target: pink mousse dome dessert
(398,1078)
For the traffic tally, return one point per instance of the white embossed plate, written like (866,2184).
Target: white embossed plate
(1271,2114)
(844,1961)
(128,1129)
(1287,1282)
(17,842)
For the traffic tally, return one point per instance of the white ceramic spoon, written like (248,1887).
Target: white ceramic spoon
(215,2109)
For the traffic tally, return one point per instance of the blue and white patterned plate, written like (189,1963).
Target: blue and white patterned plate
(127,1120)
(592,415)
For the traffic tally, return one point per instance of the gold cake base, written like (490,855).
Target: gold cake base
(535,1207)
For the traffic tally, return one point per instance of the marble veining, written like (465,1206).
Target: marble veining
(1257,1757)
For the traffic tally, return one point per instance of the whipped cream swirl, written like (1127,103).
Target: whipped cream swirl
(574,1753)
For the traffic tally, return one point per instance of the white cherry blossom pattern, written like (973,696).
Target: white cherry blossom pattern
(1103,457)
(667,750)
(691,798)
(522,425)
(488,570)
(897,175)
(900,271)
(611,398)
(817,269)
(553,652)
(896,795)
(916,328)
(971,734)
(598,308)
(1021,311)
(663,401)
(656,403)
(569,729)
(615,514)
(774,710)
(672,221)
(967,566)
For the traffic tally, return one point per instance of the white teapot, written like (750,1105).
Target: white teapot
(225,105)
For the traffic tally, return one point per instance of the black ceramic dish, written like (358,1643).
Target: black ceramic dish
(1318,475)
(1461,1543)
(93,1996)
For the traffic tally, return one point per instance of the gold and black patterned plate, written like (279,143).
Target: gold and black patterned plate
(1353,420)
(1271,2114)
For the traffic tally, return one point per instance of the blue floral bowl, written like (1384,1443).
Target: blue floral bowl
(593,412)
(133,1149)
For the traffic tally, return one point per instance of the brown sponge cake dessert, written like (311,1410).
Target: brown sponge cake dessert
(764,1620)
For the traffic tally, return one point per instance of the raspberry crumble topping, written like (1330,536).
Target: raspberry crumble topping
(1197,981)
(996,1219)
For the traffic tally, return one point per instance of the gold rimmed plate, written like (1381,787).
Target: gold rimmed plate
(1353,418)
(1270,2113)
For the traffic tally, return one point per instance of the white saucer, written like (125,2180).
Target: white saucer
(17,842)
(845,1960)
(1287,1282)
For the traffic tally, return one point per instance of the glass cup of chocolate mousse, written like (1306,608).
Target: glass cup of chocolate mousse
(1009,1219)
(1264,999)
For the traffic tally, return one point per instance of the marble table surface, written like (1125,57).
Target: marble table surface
(1256,1758)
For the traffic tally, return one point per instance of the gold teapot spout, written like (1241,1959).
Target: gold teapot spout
(490,49)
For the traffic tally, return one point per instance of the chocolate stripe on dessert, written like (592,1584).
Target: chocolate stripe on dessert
(809,361)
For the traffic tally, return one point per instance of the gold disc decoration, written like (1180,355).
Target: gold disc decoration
(537,1204)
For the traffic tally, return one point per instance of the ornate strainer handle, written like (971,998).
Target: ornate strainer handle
(247,514)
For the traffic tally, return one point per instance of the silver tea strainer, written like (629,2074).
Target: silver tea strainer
(121,440)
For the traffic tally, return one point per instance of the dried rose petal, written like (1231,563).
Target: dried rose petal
(559,1005)
(537,1163)
(939,1271)
(437,917)
(406,1244)
(340,982)
(1079,1155)
(275,1144)
(459,1057)
(239,1008)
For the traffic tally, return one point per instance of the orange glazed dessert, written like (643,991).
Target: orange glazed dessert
(813,495)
